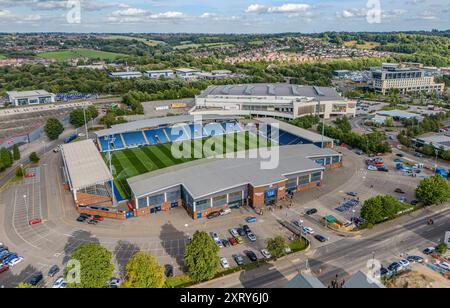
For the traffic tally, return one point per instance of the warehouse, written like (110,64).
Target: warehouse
(30,97)
(279,100)
(209,185)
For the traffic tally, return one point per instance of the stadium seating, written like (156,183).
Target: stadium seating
(151,137)
(134,139)
(196,131)
(287,139)
(116,145)
(231,127)
(214,129)
(176,135)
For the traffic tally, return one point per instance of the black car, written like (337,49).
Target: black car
(213,215)
(226,243)
(36,279)
(320,238)
(86,216)
(53,271)
(414,202)
(93,222)
(81,219)
(400,155)
(251,255)
(383,271)
(246,228)
(168,270)
(311,212)
(241,232)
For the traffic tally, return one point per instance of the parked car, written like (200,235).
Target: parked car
(225,212)
(233,232)
(444,265)
(114,283)
(383,169)
(219,243)
(400,155)
(226,243)
(213,215)
(353,194)
(420,155)
(414,202)
(251,255)
(36,278)
(53,271)
(404,263)
(360,152)
(266,254)
(233,241)
(298,223)
(320,238)
(99,218)
(224,262)
(215,236)
(383,271)
(238,259)
(394,267)
(239,239)
(81,219)
(429,250)
(4,268)
(168,270)
(60,283)
(399,191)
(251,237)
(246,228)
(15,261)
(372,168)
(308,230)
(34,221)
(415,259)
(311,212)
(86,216)
(250,219)
(241,232)
(93,222)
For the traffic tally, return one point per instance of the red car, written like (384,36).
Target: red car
(34,221)
(98,218)
(4,268)
(30,175)
(233,241)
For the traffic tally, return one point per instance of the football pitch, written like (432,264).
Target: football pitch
(132,162)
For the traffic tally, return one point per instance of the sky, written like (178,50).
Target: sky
(222,16)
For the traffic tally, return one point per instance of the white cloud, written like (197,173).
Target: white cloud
(287,8)
(256,8)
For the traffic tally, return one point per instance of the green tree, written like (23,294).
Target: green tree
(201,257)
(6,159)
(144,271)
(93,112)
(53,128)
(24,285)
(76,117)
(380,208)
(96,266)
(433,190)
(442,248)
(16,152)
(276,246)
(20,172)
(34,158)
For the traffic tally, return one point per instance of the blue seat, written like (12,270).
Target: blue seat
(176,134)
(134,139)
(117,144)
(231,127)
(151,137)
(196,131)
(160,135)
(214,129)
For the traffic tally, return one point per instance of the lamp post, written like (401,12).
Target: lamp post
(85,122)
(110,140)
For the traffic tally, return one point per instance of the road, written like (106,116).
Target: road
(345,257)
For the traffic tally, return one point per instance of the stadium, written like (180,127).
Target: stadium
(132,170)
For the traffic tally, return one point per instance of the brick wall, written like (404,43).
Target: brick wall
(113,215)
(334,166)
(301,188)
(89,199)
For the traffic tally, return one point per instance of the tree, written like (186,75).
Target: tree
(276,246)
(380,208)
(53,128)
(76,117)
(201,257)
(144,271)
(16,152)
(20,172)
(6,159)
(24,285)
(433,190)
(442,248)
(96,266)
(34,158)
(93,112)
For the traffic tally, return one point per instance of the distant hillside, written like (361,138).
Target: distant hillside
(65,55)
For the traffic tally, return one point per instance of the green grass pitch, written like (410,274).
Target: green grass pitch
(132,162)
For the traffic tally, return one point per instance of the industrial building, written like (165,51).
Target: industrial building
(159,73)
(125,75)
(405,79)
(30,97)
(280,100)
(187,73)
(209,185)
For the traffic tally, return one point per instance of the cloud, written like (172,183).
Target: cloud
(288,8)
(52,5)
(360,13)
(10,17)
(134,15)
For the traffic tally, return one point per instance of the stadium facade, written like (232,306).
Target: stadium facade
(279,100)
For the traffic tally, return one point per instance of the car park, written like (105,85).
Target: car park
(320,238)
(311,212)
(251,237)
(224,262)
(233,241)
(415,259)
(168,270)
(36,278)
(60,283)
(250,219)
(266,254)
(53,271)
(429,250)
(251,255)
(308,230)
(238,259)
(233,232)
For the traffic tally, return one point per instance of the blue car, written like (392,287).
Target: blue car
(10,258)
(250,219)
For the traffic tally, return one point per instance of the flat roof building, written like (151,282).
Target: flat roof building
(159,73)
(274,100)
(125,75)
(22,98)
(209,185)
(438,141)
(399,115)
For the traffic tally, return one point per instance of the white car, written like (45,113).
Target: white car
(308,230)
(15,261)
(224,262)
(404,263)
(443,265)
(266,254)
(251,237)
(60,283)
(234,232)
(219,243)
(115,283)
(215,236)
(372,168)
(225,212)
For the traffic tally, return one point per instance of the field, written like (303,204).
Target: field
(66,55)
(366,45)
(130,38)
(2,57)
(207,45)
(132,162)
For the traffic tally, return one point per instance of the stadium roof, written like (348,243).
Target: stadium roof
(272,89)
(85,165)
(156,122)
(209,176)
(437,141)
(25,94)
(295,130)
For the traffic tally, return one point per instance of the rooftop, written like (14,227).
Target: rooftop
(361,281)
(304,281)
(272,89)
(295,130)
(19,94)
(401,114)
(156,122)
(125,73)
(437,140)
(208,176)
(85,164)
